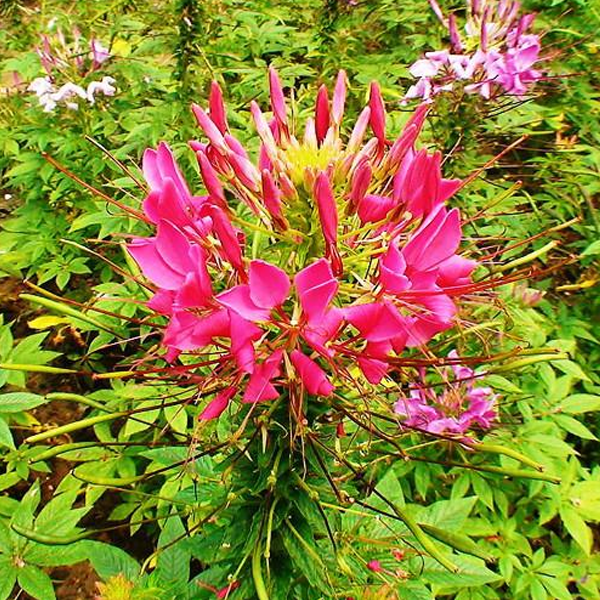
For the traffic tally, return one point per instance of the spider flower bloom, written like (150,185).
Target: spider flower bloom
(66,62)
(328,252)
(495,55)
(461,406)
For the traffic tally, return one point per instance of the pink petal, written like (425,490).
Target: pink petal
(454,271)
(391,271)
(239,299)
(243,333)
(189,332)
(322,330)
(216,407)
(373,208)
(313,377)
(316,288)
(168,168)
(174,247)
(162,302)
(152,264)
(376,321)
(373,369)
(167,203)
(269,285)
(435,241)
(259,387)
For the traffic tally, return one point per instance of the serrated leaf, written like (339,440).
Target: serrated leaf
(109,561)
(302,560)
(173,563)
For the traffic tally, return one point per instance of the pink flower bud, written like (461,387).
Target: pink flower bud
(322,117)
(360,128)
(264,131)
(245,171)
(217,406)
(211,131)
(360,183)
(375,566)
(377,120)
(339,98)
(437,10)
(312,376)
(455,41)
(211,181)
(216,105)
(272,199)
(328,216)
(278,101)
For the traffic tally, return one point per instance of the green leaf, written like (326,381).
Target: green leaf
(177,418)
(412,590)
(142,419)
(579,403)
(109,561)
(557,589)
(585,497)
(571,368)
(173,563)
(6,438)
(36,583)
(592,249)
(304,560)
(575,427)
(9,577)
(472,572)
(577,528)
(19,401)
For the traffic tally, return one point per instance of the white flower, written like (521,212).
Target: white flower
(105,86)
(69,90)
(41,85)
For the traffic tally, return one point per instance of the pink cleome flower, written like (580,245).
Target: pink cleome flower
(461,406)
(495,55)
(270,272)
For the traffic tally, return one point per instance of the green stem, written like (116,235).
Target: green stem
(259,582)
